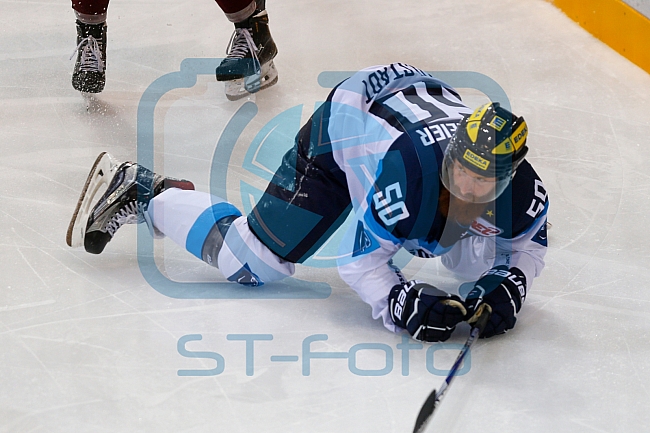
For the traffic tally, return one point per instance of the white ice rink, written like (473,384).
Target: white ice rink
(88,344)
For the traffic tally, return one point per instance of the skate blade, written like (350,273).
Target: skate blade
(243,87)
(101,173)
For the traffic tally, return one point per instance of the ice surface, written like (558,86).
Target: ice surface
(87,344)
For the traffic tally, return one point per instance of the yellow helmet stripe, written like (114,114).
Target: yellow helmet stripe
(474,121)
(514,142)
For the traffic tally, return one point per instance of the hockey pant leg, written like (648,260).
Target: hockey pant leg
(215,231)
(307,199)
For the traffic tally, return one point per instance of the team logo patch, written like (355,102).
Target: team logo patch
(246,277)
(363,241)
(476,160)
(497,123)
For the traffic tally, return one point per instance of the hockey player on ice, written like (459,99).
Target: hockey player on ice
(247,68)
(418,169)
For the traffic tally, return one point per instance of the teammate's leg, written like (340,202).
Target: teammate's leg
(89,73)
(248,66)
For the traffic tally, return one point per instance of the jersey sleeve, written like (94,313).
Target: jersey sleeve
(388,211)
(368,269)
(526,245)
(513,235)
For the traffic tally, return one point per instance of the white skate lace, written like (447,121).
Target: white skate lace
(241,42)
(129,214)
(91,55)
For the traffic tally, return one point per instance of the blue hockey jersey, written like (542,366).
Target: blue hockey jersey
(389,126)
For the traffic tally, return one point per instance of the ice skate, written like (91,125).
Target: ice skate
(130,187)
(248,66)
(240,88)
(89,75)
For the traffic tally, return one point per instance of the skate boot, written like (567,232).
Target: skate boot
(89,75)
(249,67)
(130,188)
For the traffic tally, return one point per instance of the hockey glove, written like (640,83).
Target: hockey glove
(504,290)
(426,312)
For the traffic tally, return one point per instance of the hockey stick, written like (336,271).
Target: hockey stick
(435,397)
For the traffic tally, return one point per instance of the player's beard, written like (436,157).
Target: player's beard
(458,210)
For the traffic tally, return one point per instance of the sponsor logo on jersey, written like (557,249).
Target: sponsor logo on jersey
(484,228)
(476,160)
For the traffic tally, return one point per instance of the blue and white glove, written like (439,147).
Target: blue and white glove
(426,312)
(504,290)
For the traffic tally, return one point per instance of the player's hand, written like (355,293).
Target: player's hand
(504,290)
(426,312)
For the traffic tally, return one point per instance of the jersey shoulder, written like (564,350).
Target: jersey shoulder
(522,204)
(405,198)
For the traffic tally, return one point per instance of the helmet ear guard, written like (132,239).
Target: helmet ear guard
(490,143)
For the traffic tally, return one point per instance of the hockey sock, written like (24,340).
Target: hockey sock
(213,230)
(237,11)
(90,7)
(187,217)
(91,19)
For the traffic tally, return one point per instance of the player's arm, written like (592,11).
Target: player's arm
(518,261)
(369,270)
(426,312)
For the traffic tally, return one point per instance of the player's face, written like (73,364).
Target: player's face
(469,186)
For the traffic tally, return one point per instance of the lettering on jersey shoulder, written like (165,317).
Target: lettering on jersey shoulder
(382,77)
(437,132)
(539,200)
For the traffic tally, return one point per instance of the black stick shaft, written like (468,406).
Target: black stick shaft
(434,399)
